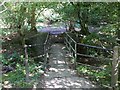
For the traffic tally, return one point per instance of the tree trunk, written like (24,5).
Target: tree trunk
(33,20)
(21,30)
(83,19)
(71,26)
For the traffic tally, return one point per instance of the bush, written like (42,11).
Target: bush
(100,76)
(16,78)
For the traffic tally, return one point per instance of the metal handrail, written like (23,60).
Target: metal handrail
(45,52)
(89,46)
(71,38)
(86,45)
(100,68)
(105,59)
(96,47)
(70,45)
(46,39)
(34,45)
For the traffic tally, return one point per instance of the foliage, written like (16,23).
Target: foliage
(22,17)
(11,59)
(16,78)
(101,76)
(105,37)
(92,39)
(16,59)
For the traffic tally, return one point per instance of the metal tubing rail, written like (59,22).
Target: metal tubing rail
(70,46)
(86,45)
(89,56)
(115,60)
(89,46)
(38,56)
(34,45)
(95,47)
(45,52)
(74,50)
(46,39)
(94,67)
(71,38)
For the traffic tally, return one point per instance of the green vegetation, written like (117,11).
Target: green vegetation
(98,24)
(16,78)
(100,76)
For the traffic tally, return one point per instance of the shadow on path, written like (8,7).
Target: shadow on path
(59,74)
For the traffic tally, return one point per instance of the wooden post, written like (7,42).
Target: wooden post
(115,63)
(26,64)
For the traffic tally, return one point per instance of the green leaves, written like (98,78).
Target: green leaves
(16,78)
(100,76)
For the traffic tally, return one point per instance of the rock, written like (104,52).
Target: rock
(6,69)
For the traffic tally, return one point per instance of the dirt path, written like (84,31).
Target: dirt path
(59,74)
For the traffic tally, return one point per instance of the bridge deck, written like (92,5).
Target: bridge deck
(59,74)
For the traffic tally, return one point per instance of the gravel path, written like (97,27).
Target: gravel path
(59,74)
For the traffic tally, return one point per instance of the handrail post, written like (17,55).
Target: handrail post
(26,64)
(75,63)
(45,52)
(115,64)
(44,56)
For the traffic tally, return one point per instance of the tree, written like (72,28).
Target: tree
(32,17)
(77,12)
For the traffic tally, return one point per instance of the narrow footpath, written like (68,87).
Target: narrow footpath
(59,74)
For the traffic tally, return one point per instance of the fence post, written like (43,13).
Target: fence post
(26,64)
(44,66)
(115,63)
(46,47)
(75,63)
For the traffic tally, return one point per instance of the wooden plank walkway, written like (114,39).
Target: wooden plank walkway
(59,74)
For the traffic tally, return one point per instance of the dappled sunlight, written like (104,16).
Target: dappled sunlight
(66,82)
(61,62)
(7,84)
(63,48)
(31,75)
(34,86)
(53,69)
(54,58)
(59,44)
(60,75)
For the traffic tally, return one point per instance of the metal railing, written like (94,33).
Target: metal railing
(72,46)
(46,48)
(44,55)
